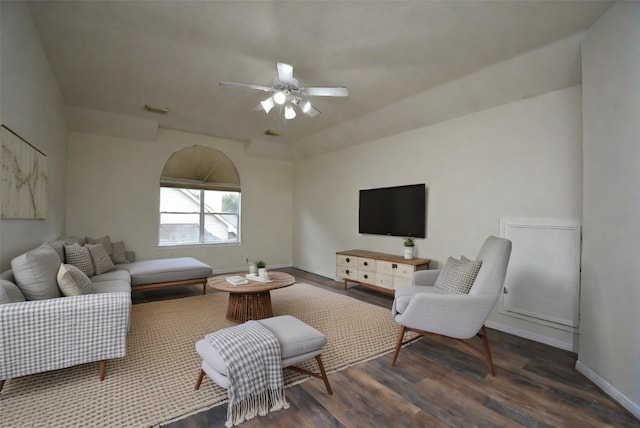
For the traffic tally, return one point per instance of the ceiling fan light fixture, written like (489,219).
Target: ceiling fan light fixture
(306,107)
(279,97)
(289,112)
(267,104)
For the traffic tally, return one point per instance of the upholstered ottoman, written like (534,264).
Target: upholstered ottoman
(299,342)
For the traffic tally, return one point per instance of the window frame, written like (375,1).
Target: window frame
(202,213)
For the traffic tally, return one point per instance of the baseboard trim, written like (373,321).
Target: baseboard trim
(531,336)
(609,389)
(316,272)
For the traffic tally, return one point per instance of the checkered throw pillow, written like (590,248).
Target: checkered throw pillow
(79,257)
(72,282)
(101,261)
(458,276)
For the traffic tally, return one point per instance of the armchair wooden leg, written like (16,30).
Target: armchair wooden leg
(200,377)
(398,345)
(103,369)
(487,351)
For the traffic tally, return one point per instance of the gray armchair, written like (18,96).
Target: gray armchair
(428,310)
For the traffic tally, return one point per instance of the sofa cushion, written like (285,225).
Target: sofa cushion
(72,282)
(101,261)
(35,273)
(166,270)
(111,286)
(105,241)
(118,254)
(10,293)
(458,276)
(80,257)
(113,275)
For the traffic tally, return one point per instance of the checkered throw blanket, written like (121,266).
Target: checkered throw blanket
(254,368)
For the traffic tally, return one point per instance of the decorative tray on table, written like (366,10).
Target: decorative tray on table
(258,278)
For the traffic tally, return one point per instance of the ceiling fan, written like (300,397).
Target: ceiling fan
(288,93)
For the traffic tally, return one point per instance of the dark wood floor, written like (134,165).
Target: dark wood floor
(436,384)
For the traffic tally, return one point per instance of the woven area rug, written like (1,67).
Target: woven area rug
(155,382)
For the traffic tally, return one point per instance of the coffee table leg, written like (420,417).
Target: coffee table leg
(250,306)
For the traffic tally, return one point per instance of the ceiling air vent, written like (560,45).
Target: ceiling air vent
(158,110)
(271,133)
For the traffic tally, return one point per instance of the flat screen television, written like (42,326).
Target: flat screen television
(394,211)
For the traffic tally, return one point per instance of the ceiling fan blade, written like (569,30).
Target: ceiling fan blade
(285,73)
(247,86)
(325,92)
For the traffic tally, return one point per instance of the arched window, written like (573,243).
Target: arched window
(199,198)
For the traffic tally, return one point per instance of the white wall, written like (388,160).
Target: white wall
(521,159)
(113,189)
(33,107)
(610,321)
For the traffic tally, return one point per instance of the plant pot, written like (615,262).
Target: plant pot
(262,273)
(408,253)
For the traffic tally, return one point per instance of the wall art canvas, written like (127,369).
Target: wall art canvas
(24,178)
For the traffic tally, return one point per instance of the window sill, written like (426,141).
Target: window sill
(194,245)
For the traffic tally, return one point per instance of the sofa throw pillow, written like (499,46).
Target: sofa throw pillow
(457,276)
(73,282)
(105,241)
(79,257)
(101,261)
(35,273)
(9,292)
(118,254)
(70,240)
(59,247)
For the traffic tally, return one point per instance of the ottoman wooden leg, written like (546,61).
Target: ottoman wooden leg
(325,379)
(322,375)
(200,377)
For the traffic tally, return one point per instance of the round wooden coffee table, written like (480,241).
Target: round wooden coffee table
(250,301)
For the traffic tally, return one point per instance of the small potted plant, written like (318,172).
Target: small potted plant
(409,243)
(262,269)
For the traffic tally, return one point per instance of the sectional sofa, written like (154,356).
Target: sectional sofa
(68,302)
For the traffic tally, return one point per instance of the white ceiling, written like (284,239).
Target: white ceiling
(117,56)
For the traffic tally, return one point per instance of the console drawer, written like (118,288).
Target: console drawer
(366,276)
(385,281)
(404,270)
(348,261)
(347,272)
(365,264)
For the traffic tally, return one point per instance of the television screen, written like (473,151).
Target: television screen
(394,211)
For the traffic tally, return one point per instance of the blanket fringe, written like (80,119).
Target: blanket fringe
(254,405)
